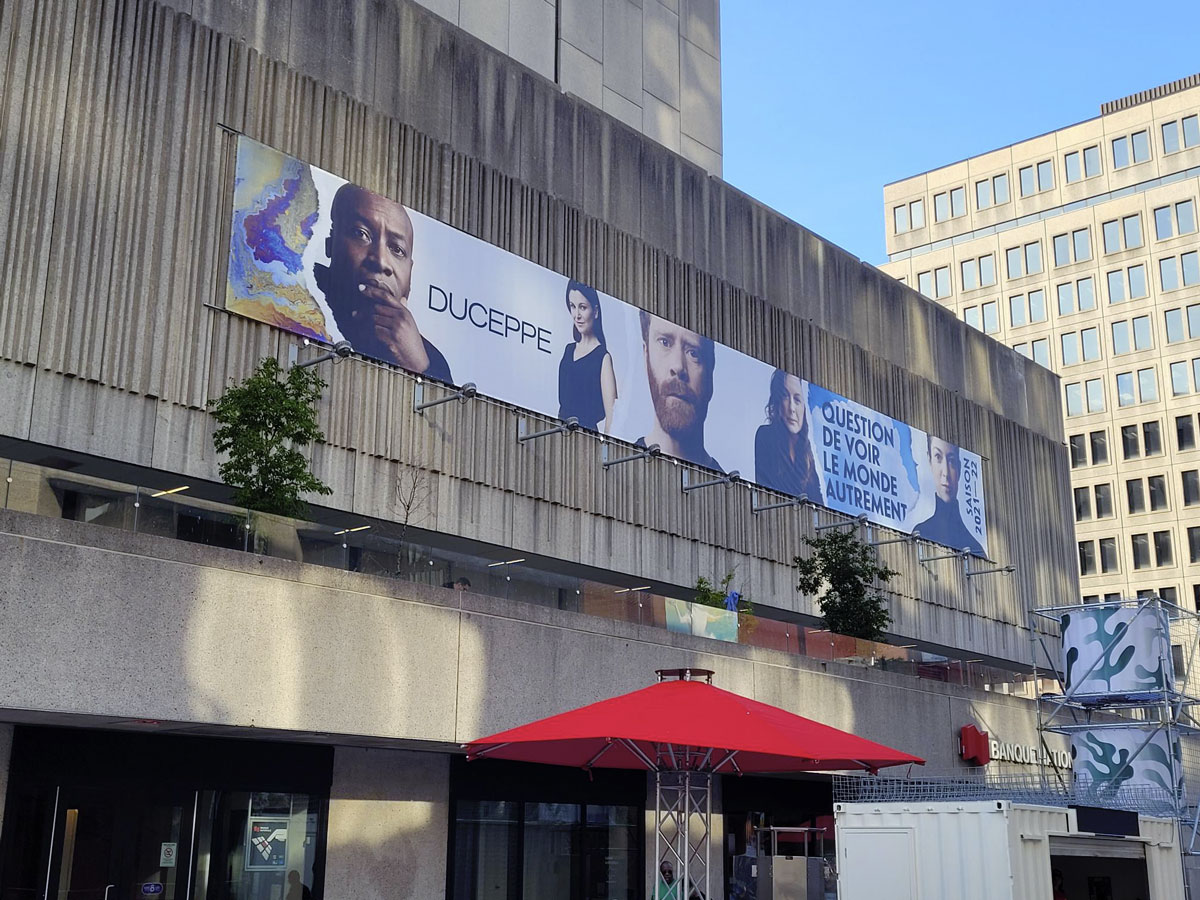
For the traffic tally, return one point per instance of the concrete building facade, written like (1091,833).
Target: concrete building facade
(1078,248)
(208,684)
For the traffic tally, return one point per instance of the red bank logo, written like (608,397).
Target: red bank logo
(973,745)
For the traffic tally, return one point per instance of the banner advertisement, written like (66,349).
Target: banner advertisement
(1147,759)
(320,257)
(1112,650)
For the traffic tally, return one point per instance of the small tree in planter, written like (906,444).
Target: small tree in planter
(714,595)
(264,423)
(848,570)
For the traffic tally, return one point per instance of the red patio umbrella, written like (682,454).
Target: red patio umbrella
(686,731)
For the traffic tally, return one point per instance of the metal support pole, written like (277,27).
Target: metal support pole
(569,426)
(420,404)
(782,504)
(651,452)
(732,478)
(855,522)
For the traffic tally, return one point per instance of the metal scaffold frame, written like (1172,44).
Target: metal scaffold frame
(1169,710)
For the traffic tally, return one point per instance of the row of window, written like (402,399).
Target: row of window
(1091,448)
(1142,495)
(1078,165)
(1169,594)
(1107,562)
(1133,387)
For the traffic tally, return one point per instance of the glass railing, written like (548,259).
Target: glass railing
(391,550)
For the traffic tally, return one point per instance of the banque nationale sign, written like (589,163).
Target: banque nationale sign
(320,257)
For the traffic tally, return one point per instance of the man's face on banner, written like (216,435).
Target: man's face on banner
(370,248)
(679,367)
(943,459)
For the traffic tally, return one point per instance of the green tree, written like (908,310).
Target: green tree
(709,594)
(264,423)
(848,570)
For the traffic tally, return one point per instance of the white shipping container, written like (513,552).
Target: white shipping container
(981,849)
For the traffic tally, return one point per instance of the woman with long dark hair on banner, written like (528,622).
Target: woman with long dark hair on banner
(587,383)
(783,459)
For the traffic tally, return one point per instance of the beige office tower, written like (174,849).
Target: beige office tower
(1080,249)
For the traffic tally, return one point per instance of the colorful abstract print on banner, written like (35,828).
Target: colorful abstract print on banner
(1143,759)
(324,258)
(1111,650)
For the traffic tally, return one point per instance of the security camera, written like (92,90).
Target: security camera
(734,477)
(342,349)
(654,450)
(572,424)
(469,390)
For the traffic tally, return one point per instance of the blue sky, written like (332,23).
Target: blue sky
(825,103)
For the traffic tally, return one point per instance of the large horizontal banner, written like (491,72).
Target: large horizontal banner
(320,257)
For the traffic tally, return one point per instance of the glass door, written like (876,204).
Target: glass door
(118,844)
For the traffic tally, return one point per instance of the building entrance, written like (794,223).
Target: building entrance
(115,844)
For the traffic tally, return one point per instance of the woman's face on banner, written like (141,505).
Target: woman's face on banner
(583,314)
(791,409)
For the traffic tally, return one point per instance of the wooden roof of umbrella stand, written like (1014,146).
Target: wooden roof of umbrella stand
(685,730)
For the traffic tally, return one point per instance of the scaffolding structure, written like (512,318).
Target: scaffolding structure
(1138,719)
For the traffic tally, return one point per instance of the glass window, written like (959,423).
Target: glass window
(1025,174)
(1193,320)
(1185,432)
(987,270)
(1045,175)
(1078,447)
(900,215)
(1095,395)
(1081,238)
(958,201)
(1191,131)
(1016,310)
(1037,306)
(1012,257)
(1156,486)
(1141,333)
(1041,352)
(1000,188)
(1033,258)
(1104,504)
(1131,447)
(1170,137)
(1163,554)
(1070,348)
(1083,504)
(1062,250)
(1137,281)
(1168,274)
(1185,213)
(1108,555)
(1073,166)
(1141,550)
(1074,399)
(1120,152)
(941,277)
(1087,557)
(991,317)
(1085,288)
(969,271)
(916,211)
(1125,396)
(1191,487)
(1116,286)
(983,194)
(1163,227)
(1066,298)
(1089,338)
(1147,385)
(1112,236)
(941,207)
(1132,226)
(971,316)
(1190,263)
(1152,438)
(1023,349)
(1120,338)
(1091,161)
(1141,146)
(1173,323)
(1099,443)
(1193,538)
(1180,379)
